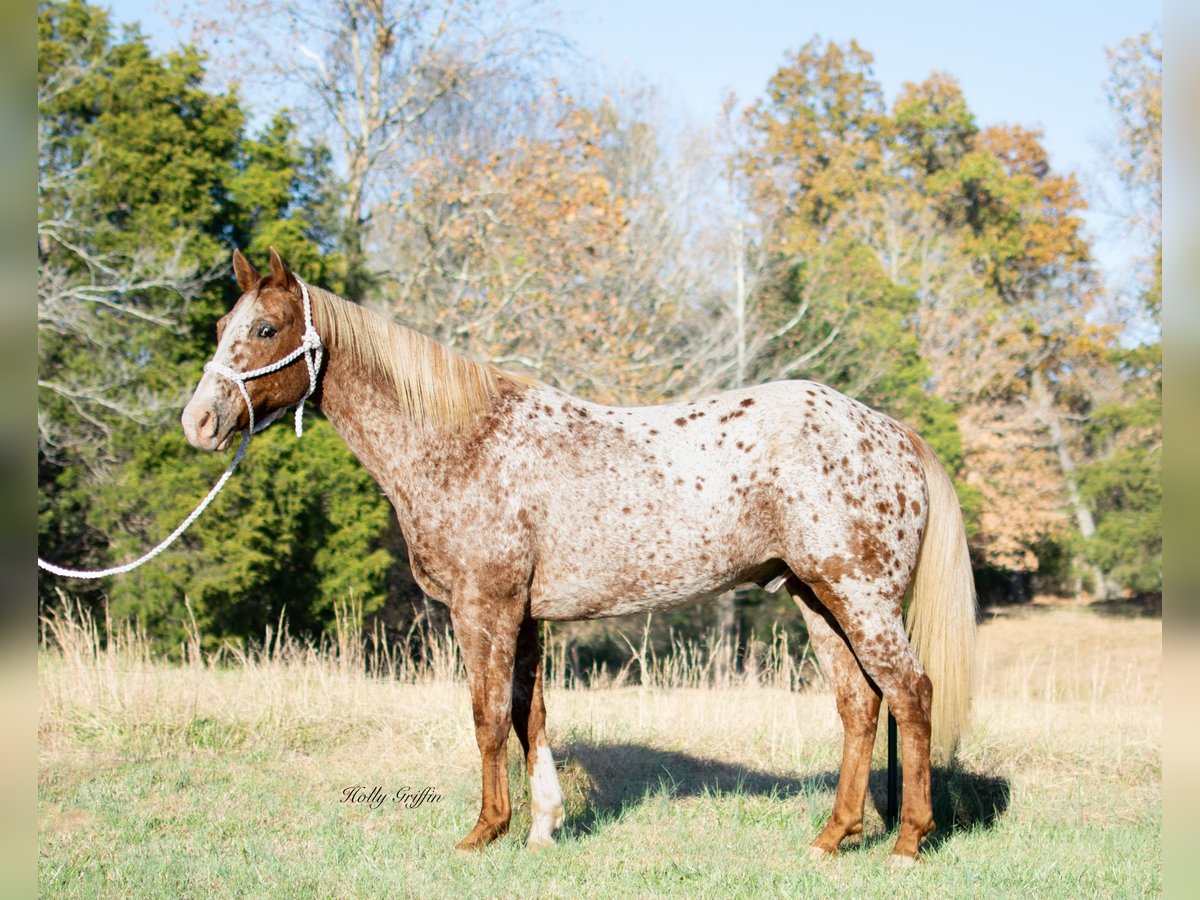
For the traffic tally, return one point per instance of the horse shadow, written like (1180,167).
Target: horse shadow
(604,780)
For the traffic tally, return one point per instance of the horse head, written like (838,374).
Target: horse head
(241,388)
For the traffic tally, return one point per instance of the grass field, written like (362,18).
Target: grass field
(202,779)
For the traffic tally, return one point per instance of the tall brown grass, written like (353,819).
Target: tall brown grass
(74,638)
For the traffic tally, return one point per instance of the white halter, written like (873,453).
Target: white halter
(310,348)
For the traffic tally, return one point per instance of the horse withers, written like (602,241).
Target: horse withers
(522,503)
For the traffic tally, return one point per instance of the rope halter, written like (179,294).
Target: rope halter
(310,348)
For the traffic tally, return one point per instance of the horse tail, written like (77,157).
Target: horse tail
(941,607)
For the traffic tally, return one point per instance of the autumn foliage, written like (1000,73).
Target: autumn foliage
(931,265)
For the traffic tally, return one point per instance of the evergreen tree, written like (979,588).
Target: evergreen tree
(146,181)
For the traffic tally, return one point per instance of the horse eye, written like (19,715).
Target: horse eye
(266,331)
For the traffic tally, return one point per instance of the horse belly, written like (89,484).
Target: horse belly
(639,566)
(584,598)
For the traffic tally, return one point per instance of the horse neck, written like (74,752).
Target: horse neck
(361,407)
(399,451)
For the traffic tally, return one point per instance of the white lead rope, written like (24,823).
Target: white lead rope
(130,566)
(312,350)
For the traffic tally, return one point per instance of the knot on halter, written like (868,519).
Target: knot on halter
(311,348)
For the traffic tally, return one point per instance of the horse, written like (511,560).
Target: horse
(522,503)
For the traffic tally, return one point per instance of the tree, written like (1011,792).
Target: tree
(826,174)
(146,180)
(105,298)
(121,260)
(1134,90)
(374,76)
(1122,479)
(938,271)
(538,255)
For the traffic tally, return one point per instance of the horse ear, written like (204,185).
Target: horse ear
(281,275)
(247,276)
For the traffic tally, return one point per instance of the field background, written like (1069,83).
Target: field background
(223,777)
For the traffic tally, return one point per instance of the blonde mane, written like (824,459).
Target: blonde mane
(434,385)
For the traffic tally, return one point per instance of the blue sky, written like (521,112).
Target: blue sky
(1019,62)
(1022,62)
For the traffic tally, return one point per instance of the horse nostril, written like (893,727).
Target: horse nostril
(207,426)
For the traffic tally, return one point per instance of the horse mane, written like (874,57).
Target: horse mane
(433,384)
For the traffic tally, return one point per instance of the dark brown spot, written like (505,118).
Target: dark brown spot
(748,402)
(681,421)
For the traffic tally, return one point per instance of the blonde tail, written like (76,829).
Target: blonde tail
(941,609)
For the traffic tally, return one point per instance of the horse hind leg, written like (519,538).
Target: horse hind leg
(858,706)
(871,621)
(529,721)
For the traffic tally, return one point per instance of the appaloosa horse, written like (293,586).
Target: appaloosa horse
(521,503)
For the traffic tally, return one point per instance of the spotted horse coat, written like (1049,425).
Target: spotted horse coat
(522,503)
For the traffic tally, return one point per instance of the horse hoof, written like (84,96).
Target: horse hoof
(815,852)
(897,862)
(539,843)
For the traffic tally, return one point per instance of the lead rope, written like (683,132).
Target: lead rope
(313,351)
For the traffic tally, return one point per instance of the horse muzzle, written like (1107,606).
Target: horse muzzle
(205,427)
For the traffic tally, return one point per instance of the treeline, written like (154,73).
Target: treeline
(431,167)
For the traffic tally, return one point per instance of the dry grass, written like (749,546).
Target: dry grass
(225,774)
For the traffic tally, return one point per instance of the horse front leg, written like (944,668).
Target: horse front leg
(529,721)
(486,628)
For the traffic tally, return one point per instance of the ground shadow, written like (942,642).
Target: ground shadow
(962,801)
(622,775)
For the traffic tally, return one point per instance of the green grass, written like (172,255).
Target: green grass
(160,781)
